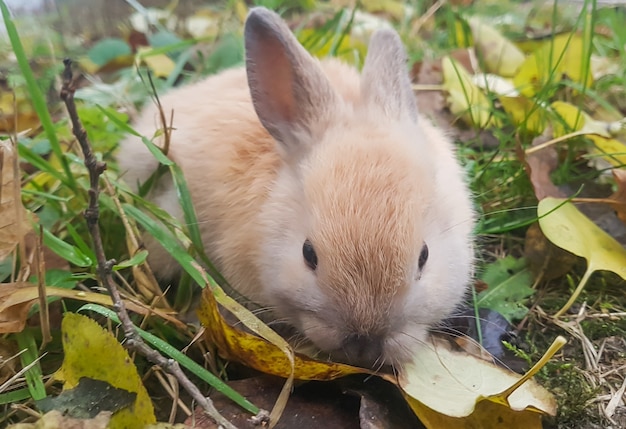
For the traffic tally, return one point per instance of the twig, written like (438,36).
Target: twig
(133,340)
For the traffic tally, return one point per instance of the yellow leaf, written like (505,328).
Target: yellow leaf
(93,352)
(601,133)
(450,389)
(563,55)
(394,8)
(499,54)
(260,354)
(16,112)
(565,226)
(160,64)
(525,113)
(464,97)
(349,50)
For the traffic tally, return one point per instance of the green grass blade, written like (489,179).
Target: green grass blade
(167,240)
(154,149)
(37,98)
(182,359)
(14,396)
(34,377)
(65,250)
(189,213)
(80,243)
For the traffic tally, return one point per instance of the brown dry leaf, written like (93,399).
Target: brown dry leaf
(539,165)
(259,353)
(8,361)
(14,305)
(17,298)
(619,197)
(13,216)
(544,258)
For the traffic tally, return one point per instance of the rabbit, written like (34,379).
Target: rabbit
(320,192)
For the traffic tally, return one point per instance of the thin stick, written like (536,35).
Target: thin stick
(133,340)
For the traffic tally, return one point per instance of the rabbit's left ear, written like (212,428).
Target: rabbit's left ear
(292,96)
(385,79)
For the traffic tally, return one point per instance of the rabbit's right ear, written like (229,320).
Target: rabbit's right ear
(290,93)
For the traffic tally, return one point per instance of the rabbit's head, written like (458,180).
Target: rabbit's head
(366,232)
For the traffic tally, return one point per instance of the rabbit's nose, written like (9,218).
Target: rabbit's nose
(364,350)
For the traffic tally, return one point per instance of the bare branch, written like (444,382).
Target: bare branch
(133,340)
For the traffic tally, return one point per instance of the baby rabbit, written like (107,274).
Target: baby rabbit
(321,193)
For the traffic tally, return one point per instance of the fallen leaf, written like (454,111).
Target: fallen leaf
(88,399)
(525,113)
(260,354)
(13,216)
(539,166)
(601,133)
(90,351)
(561,55)
(449,389)
(160,64)
(58,419)
(203,23)
(465,98)
(576,119)
(499,54)
(544,258)
(8,361)
(568,228)
(17,298)
(321,45)
(107,55)
(16,111)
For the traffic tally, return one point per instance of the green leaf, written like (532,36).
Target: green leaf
(139,258)
(107,50)
(565,226)
(154,149)
(168,241)
(509,282)
(65,250)
(58,278)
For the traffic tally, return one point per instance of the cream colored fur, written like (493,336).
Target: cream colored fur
(319,153)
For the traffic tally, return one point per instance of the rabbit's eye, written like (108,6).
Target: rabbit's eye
(309,255)
(423,256)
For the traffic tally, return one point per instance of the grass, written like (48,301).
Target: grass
(55,186)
